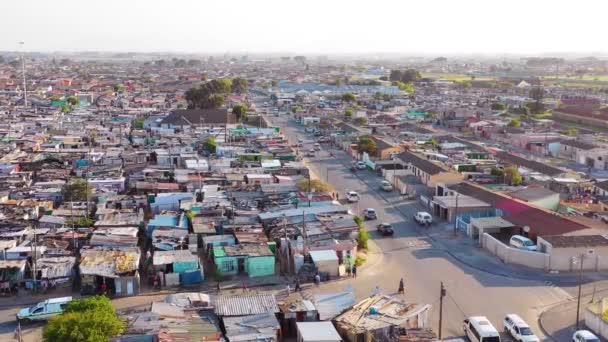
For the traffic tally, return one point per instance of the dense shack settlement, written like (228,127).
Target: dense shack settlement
(308,199)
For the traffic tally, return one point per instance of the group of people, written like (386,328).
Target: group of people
(351,271)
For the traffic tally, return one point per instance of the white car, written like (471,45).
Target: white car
(422,217)
(519,329)
(352,196)
(370,214)
(360,165)
(522,242)
(584,336)
(386,186)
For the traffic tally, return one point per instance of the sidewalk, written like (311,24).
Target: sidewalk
(559,321)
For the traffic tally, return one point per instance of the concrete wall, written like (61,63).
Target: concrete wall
(550,202)
(260,266)
(593,318)
(513,255)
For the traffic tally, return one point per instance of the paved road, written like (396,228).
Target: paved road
(422,261)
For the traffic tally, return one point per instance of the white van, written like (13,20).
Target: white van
(479,329)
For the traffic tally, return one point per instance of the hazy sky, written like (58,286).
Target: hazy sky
(306,26)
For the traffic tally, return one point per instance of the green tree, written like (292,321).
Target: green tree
(306,185)
(366,144)
(410,75)
(348,113)
(570,131)
(80,222)
(296,108)
(537,95)
(239,85)
(194,62)
(65,108)
(139,123)
(514,123)
(216,101)
(210,144)
(498,106)
(361,121)
(512,176)
(240,111)
(396,75)
(78,190)
(73,101)
(363,238)
(348,97)
(497,172)
(92,320)
(432,143)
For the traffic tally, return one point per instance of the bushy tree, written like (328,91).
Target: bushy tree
(348,97)
(209,94)
(512,176)
(366,144)
(92,320)
(348,113)
(514,123)
(498,106)
(363,239)
(305,185)
(361,121)
(239,85)
(78,190)
(210,144)
(240,111)
(73,101)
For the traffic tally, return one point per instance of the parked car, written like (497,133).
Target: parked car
(352,196)
(317,147)
(584,336)
(323,140)
(370,214)
(385,229)
(317,133)
(479,329)
(300,143)
(386,186)
(311,153)
(522,242)
(44,310)
(518,329)
(360,165)
(422,217)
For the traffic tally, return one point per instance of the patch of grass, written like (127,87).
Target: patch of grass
(458,77)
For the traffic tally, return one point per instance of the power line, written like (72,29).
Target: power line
(457,306)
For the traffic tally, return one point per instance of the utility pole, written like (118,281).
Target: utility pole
(456,216)
(441,295)
(580,283)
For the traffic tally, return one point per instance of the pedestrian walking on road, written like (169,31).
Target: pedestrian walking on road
(317,279)
(298,289)
(401,287)
(355,271)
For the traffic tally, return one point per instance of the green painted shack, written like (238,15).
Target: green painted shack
(250,259)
